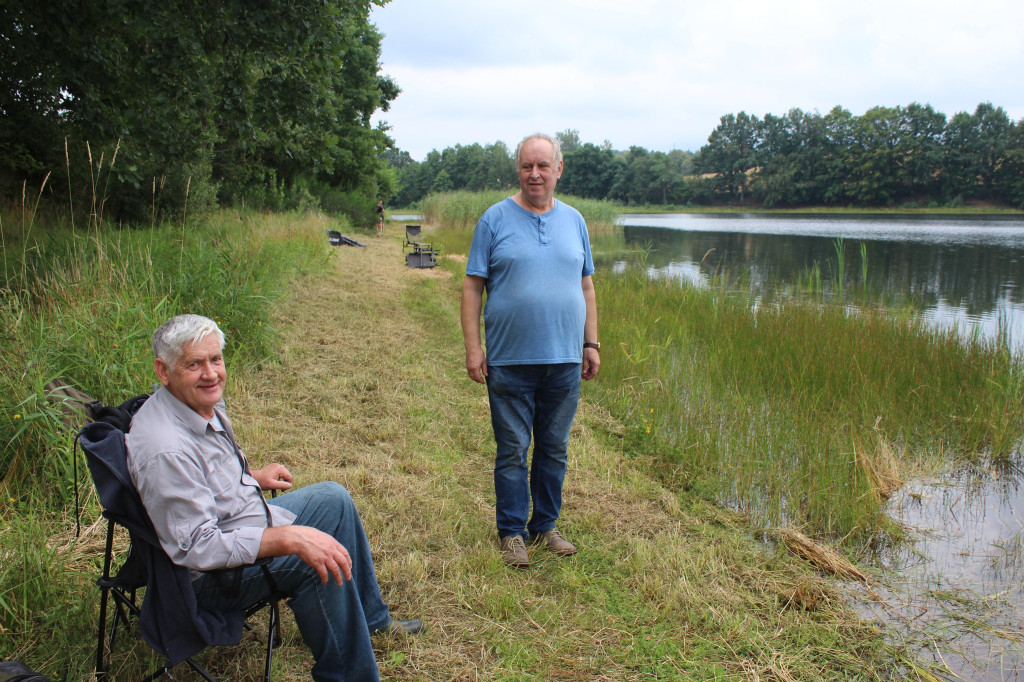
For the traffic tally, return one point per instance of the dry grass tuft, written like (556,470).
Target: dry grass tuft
(881,467)
(822,556)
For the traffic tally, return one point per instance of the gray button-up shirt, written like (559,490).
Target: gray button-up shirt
(194,481)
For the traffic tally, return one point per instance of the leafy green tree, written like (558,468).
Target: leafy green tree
(669,177)
(1010,174)
(731,152)
(975,147)
(589,172)
(221,93)
(442,182)
(919,150)
(569,139)
(633,181)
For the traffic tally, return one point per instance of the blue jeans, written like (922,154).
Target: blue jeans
(335,620)
(537,400)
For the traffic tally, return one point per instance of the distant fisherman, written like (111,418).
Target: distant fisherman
(531,253)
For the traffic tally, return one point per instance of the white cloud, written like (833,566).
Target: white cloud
(660,73)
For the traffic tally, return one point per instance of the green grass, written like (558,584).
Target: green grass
(82,307)
(368,388)
(461,210)
(797,412)
(804,410)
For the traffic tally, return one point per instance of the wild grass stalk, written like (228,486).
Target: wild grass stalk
(461,210)
(83,308)
(797,412)
(839,276)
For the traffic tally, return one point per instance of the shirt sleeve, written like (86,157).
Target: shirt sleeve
(183,508)
(479,259)
(588,257)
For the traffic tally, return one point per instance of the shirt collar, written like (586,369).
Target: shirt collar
(192,420)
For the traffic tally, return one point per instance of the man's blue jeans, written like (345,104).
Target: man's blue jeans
(537,400)
(335,620)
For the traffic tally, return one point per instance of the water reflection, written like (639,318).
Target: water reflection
(956,590)
(967,273)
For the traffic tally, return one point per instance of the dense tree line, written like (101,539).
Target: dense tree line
(887,156)
(591,171)
(233,99)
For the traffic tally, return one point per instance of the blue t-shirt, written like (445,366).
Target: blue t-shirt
(533,266)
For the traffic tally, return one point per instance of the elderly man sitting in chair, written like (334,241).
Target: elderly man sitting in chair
(210,513)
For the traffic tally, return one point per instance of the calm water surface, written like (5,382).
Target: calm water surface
(956,591)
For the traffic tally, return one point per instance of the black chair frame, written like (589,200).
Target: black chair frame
(123,586)
(421,254)
(124,582)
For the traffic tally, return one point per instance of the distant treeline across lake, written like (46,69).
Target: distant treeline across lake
(888,156)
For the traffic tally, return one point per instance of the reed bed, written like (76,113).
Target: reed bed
(461,210)
(798,413)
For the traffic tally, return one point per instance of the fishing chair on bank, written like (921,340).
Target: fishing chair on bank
(168,617)
(421,254)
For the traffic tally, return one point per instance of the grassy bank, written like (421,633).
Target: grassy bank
(799,412)
(366,385)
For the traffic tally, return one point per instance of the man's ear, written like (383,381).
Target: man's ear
(163,372)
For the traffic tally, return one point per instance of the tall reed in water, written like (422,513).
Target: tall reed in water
(797,412)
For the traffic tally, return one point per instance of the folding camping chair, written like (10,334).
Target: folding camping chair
(169,619)
(412,233)
(422,254)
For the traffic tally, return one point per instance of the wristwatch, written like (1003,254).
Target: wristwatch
(596,345)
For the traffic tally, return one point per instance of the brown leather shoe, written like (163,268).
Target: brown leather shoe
(513,551)
(554,541)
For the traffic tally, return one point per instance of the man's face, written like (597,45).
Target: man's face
(197,378)
(538,174)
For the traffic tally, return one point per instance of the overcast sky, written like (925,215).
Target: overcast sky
(661,73)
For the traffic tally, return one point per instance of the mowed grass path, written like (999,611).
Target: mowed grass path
(371,391)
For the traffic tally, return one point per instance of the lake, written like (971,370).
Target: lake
(959,271)
(955,592)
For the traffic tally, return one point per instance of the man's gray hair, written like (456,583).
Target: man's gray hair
(540,136)
(170,339)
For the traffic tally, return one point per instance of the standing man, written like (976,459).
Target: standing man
(209,513)
(531,253)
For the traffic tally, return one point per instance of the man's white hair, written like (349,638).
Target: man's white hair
(170,339)
(540,136)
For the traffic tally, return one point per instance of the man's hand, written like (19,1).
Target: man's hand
(476,365)
(591,363)
(323,553)
(273,477)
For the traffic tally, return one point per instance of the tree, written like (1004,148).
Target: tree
(634,179)
(569,139)
(730,152)
(589,172)
(228,93)
(976,145)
